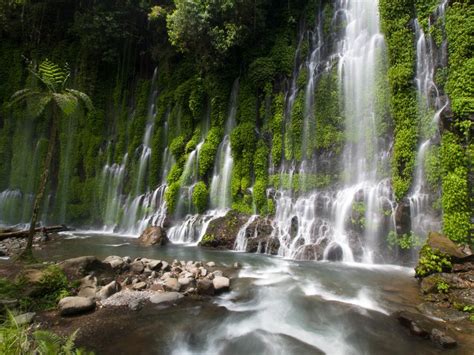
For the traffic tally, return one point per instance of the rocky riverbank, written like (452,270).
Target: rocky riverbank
(446,279)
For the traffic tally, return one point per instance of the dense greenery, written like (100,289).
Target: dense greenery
(197,50)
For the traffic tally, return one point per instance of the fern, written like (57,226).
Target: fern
(52,75)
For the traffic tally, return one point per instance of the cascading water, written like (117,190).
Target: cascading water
(317,224)
(220,184)
(430,104)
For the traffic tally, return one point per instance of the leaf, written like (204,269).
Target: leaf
(66,102)
(53,75)
(21,95)
(36,106)
(83,97)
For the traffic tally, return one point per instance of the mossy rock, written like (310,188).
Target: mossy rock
(447,246)
(222,231)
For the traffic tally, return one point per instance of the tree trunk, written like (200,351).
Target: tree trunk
(28,252)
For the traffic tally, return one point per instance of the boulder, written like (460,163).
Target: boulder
(153,235)
(221,284)
(137,267)
(165,266)
(25,318)
(222,231)
(205,287)
(259,237)
(139,286)
(108,290)
(439,337)
(116,262)
(83,265)
(171,284)
(69,306)
(165,297)
(88,287)
(447,246)
(211,264)
(154,264)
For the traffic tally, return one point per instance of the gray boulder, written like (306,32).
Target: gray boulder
(153,236)
(171,284)
(69,306)
(116,262)
(221,284)
(205,287)
(165,297)
(108,290)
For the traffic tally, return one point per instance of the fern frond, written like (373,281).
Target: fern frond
(52,74)
(66,102)
(68,347)
(83,97)
(47,342)
(21,95)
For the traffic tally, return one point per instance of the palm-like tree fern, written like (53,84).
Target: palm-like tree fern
(51,93)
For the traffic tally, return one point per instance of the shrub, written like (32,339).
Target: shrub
(432,261)
(200,196)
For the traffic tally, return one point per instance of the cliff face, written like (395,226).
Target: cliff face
(341,123)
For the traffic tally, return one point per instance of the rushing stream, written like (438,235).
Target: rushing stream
(276,306)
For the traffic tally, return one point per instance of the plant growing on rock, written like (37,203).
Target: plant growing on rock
(432,261)
(56,101)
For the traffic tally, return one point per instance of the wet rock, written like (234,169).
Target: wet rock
(116,262)
(154,235)
(445,341)
(202,271)
(205,287)
(25,318)
(464,267)
(108,290)
(137,267)
(139,286)
(171,284)
(222,231)
(211,264)
(75,305)
(221,284)
(237,265)
(334,253)
(154,264)
(463,297)
(83,265)
(165,297)
(218,273)
(311,251)
(136,304)
(403,217)
(441,311)
(447,246)
(165,266)
(88,287)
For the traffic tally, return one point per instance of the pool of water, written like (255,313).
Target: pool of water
(276,306)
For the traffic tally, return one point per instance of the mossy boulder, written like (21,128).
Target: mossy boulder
(448,247)
(222,231)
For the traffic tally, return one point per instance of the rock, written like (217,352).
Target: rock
(334,253)
(237,265)
(447,246)
(116,262)
(403,217)
(260,239)
(108,290)
(205,287)
(137,267)
(25,318)
(171,284)
(439,337)
(136,304)
(221,283)
(139,286)
(441,311)
(222,231)
(165,297)
(218,273)
(75,305)
(88,287)
(464,297)
(211,264)
(464,267)
(153,236)
(83,265)
(127,259)
(203,271)
(154,264)
(165,266)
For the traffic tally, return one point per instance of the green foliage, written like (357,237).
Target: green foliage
(200,196)
(442,286)
(404,241)
(276,128)
(209,150)
(171,195)
(301,183)
(207,240)
(177,146)
(432,261)
(455,198)
(17,339)
(395,19)
(261,71)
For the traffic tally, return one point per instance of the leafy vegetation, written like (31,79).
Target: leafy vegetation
(404,241)
(432,261)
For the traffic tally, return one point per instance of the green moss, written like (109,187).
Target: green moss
(209,150)
(177,146)
(432,261)
(171,196)
(301,183)
(261,71)
(200,196)
(276,128)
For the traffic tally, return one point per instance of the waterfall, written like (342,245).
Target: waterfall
(221,178)
(320,220)
(430,105)
(240,243)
